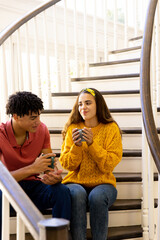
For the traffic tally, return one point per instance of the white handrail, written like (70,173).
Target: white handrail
(27,211)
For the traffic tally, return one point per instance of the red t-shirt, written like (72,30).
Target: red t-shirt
(15,156)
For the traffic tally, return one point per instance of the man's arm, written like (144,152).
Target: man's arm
(51,177)
(40,164)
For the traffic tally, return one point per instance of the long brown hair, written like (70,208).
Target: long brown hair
(102,111)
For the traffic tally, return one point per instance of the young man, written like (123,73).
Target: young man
(24,150)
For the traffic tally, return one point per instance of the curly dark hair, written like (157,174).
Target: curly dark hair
(21,103)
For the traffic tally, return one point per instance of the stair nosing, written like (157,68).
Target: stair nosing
(107,77)
(125,50)
(113,110)
(120,92)
(132,60)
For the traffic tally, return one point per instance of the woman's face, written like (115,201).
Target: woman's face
(87,107)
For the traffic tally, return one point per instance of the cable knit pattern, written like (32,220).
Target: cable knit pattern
(92,165)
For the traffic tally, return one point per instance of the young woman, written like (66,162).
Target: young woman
(91,163)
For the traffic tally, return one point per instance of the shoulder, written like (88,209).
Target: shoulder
(3,127)
(42,129)
(72,126)
(112,128)
(42,126)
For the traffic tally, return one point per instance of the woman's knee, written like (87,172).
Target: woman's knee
(78,193)
(103,194)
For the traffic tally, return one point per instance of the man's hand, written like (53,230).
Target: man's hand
(42,163)
(52,177)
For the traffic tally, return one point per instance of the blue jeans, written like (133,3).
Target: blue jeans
(45,196)
(98,199)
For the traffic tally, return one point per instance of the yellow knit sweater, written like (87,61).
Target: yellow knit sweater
(92,165)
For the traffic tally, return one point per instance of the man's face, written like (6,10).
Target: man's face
(29,122)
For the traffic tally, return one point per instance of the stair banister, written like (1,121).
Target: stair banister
(27,211)
(22,20)
(148,114)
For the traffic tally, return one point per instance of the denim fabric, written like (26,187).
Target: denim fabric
(45,196)
(98,200)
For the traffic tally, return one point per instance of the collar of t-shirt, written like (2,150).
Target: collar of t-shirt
(12,138)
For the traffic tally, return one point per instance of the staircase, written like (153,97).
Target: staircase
(118,81)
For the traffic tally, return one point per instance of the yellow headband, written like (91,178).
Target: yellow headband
(90,91)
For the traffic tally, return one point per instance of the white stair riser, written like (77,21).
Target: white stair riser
(125,218)
(107,85)
(126,165)
(133,190)
(57,121)
(114,69)
(113,101)
(129,141)
(129,165)
(135,42)
(124,55)
(132,141)
(116,218)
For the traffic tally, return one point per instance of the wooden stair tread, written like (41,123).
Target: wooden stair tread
(129,75)
(132,153)
(124,131)
(124,232)
(126,152)
(136,38)
(134,130)
(125,50)
(114,233)
(112,110)
(100,64)
(61,111)
(119,205)
(69,94)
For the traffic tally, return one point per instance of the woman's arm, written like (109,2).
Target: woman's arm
(108,156)
(71,155)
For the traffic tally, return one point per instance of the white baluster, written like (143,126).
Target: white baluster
(95,32)
(157,20)
(37,59)
(20,228)
(158,222)
(56,49)
(126,23)
(85,39)
(3,85)
(145,185)
(12,66)
(157,71)
(150,159)
(75,41)
(105,31)
(115,24)
(135,18)
(47,66)
(20,70)
(28,68)
(5,218)
(67,65)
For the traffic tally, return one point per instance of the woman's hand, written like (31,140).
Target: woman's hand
(88,135)
(76,137)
